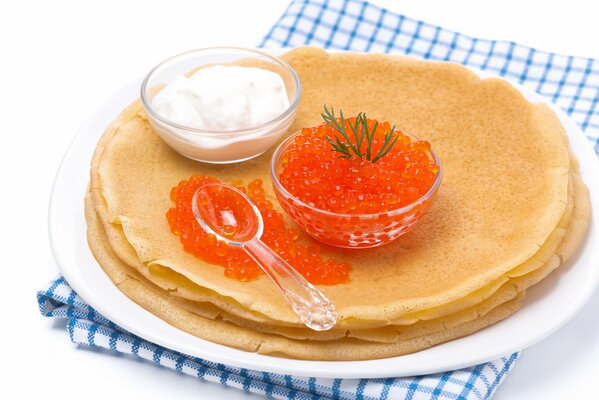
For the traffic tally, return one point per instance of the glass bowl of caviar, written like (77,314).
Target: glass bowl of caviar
(355,190)
(221,105)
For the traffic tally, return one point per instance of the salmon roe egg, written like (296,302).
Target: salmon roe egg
(315,174)
(306,259)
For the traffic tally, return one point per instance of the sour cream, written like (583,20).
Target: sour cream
(223,98)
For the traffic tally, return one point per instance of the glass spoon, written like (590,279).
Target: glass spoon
(232,217)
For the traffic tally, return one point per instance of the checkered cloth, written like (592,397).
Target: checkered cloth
(89,328)
(572,83)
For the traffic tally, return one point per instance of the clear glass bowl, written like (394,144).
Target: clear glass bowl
(350,230)
(213,146)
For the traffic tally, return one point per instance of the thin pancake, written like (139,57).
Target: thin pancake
(160,303)
(487,135)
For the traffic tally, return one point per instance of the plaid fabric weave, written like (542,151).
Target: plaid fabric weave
(572,83)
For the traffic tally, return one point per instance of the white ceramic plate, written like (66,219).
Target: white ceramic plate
(548,306)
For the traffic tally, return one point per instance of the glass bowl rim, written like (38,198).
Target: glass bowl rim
(212,132)
(391,213)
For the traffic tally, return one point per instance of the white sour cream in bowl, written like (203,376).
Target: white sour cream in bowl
(233,106)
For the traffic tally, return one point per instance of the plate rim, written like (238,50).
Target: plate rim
(324,369)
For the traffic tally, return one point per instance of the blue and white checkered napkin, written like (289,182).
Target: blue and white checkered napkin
(89,328)
(572,83)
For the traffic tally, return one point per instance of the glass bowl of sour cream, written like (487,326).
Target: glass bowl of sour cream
(221,105)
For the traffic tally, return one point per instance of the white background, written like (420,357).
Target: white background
(62,59)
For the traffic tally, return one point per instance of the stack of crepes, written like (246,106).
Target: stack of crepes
(511,209)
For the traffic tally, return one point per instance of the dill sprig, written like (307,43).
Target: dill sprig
(360,132)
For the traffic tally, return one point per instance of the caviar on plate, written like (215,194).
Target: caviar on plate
(357,166)
(306,259)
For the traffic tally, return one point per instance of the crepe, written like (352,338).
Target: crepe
(484,222)
(159,302)
(132,172)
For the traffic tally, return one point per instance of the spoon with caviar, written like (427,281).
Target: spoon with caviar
(227,213)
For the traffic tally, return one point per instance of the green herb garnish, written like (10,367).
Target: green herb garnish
(360,132)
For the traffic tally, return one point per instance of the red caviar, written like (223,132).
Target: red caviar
(316,175)
(306,259)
